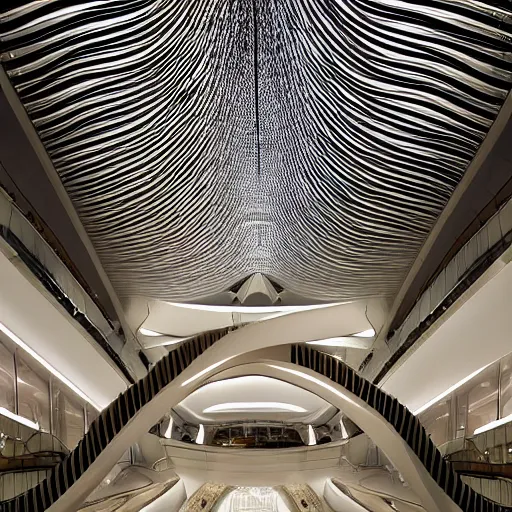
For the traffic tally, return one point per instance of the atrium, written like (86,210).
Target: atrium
(256,256)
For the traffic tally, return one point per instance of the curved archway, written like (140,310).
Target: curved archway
(186,368)
(382,433)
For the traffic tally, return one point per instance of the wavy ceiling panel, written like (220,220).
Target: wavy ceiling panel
(315,141)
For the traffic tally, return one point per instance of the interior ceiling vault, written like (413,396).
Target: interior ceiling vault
(314,141)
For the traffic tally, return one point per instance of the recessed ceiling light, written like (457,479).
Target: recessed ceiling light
(148,332)
(369,333)
(254,407)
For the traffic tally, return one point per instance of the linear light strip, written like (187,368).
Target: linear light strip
(149,332)
(342,341)
(47,365)
(317,381)
(369,333)
(205,371)
(168,431)
(493,424)
(449,390)
(251,406)
(200,435)
(334,342)
(311,436)
(251,309)
(19,419)
(344,433)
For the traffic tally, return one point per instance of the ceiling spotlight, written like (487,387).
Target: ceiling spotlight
(254,407)
(200,435)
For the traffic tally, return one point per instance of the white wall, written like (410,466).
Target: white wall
(478,333)
(34,316)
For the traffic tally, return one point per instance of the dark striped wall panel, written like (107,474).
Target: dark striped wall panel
(316,141)
(405,424)
(114,418)
(109,423)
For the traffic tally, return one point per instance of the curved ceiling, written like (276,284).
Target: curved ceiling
(280,398)
(313,141)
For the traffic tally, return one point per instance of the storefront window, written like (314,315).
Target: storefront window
(7,387)
(33,392)
(68,415)
(436,421)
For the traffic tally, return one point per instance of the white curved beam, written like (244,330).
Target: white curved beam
(381,432)
(173,321)
(292,328)
(370,421)
(257,342)
(328,322)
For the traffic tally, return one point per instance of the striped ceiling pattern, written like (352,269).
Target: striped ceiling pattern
(315,141)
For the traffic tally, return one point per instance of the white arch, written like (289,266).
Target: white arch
(269,335)
(381,432)
(370,421)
